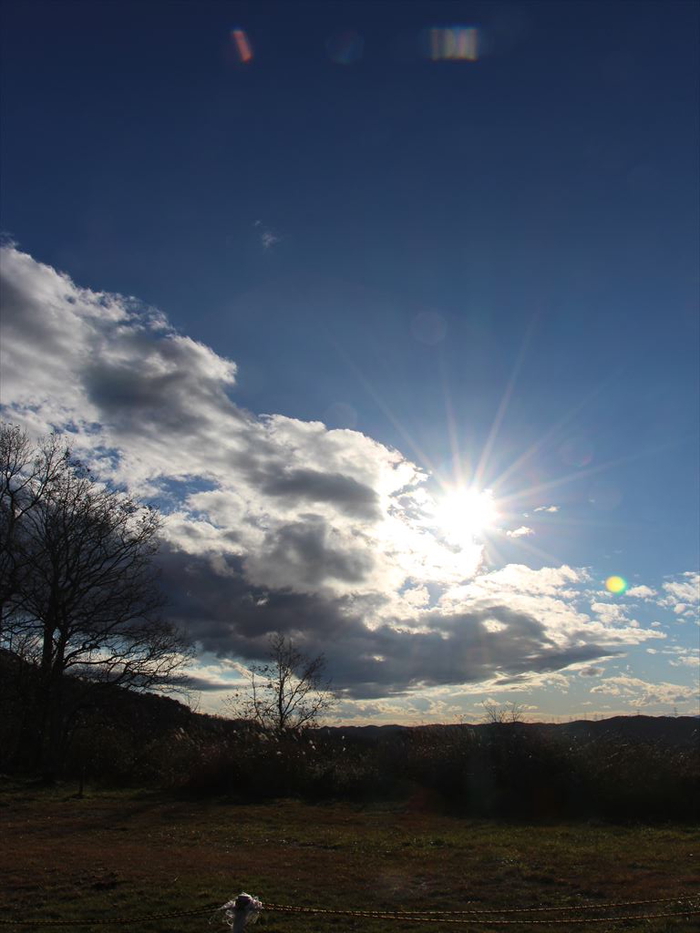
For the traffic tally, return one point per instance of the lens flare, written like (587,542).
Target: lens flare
(429,327)
(242,46)
(453,43)
(345,48)
(577,452)
(616,585)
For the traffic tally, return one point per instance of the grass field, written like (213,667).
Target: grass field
(127,854)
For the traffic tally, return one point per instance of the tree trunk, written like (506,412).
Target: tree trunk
(56,724)
(50,737)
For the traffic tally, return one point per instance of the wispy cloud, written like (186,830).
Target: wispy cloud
(267,237)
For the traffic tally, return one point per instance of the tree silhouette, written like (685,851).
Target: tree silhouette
(289,693)
(80,596)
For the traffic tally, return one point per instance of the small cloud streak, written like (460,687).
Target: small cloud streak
(521,532)
(267,237)
(642,592)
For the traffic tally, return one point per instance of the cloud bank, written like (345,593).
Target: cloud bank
(276,524)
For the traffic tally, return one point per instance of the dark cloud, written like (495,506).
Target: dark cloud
(229,618)
(302,554)
(24,318)
(345,493)
(155,382)
(205,685)
(120,390)
(591,671)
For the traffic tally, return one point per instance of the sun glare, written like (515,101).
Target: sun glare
(465,514)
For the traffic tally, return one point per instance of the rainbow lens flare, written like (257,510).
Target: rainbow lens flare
(616,585)
(453,43)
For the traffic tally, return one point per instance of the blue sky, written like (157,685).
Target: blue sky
(475,272)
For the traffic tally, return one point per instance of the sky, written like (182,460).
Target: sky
(392,309)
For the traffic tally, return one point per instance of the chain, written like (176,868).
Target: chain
(411,916)
(408,918)
(199,911)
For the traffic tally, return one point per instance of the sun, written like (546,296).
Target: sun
(464,514)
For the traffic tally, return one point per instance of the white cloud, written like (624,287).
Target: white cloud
(267,237)
(689,660)
(641,693)
(686,589)
(610,613)
(547,508)
(641,592)
(684,657)
(682,595)
(520,532)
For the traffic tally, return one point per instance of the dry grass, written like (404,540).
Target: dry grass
(129,854)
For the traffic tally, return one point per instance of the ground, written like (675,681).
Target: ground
(130,854)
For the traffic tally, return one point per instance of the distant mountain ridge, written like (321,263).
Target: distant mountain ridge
(671,731)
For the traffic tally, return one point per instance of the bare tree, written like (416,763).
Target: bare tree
(289,693)
(500,715)
(25,475)
(82,597)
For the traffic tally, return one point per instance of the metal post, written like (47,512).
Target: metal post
(239,912)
